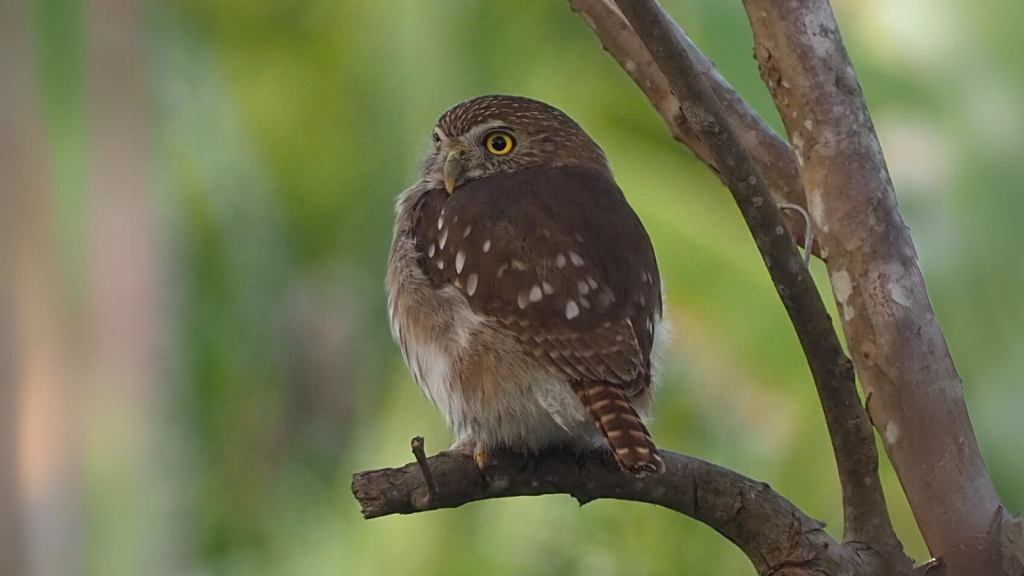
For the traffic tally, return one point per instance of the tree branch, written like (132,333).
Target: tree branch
(914,393)
(777,537)
(771,154)
(866,518)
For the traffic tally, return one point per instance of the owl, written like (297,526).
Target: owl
(523,289)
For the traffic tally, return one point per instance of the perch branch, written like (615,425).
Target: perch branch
(866,518)
(771,154)
(915,396)
(776,536)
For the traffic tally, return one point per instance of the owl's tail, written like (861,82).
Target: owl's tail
(621,426)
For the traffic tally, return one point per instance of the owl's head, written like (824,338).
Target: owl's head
(490,135)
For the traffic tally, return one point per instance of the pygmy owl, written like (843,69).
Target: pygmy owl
(523,289)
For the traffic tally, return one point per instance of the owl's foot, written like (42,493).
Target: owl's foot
(481,457)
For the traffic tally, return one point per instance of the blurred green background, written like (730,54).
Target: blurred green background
(275,137)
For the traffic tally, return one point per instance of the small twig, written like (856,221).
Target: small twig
(428,476)
(933,567)
(808,230)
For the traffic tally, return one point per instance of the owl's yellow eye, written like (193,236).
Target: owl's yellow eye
(499,142)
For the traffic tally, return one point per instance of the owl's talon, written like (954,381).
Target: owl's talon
(481,457)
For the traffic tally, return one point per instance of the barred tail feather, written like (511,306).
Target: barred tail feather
(621,426)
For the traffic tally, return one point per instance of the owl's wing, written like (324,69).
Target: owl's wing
(558,257)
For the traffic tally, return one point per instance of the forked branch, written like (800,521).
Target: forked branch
(771,154)
(866,518)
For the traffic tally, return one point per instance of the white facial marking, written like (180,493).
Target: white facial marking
(535,293)
(471,284)
(487,246)
(577,260)
(560,260)
(460,261)
(571,310)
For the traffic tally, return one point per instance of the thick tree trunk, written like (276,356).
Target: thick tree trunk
(914,394)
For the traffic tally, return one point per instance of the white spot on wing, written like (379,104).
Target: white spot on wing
(460,261)
(444,238)
(431,250)
(471,284)
(571,309)
(487,246)
(467,231)
(577,260)
(535,293)
(583,287)
(560,260)
(548,288)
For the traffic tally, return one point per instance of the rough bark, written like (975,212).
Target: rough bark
(778,538)
(914,394)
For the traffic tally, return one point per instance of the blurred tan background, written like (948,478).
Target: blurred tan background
(195,215)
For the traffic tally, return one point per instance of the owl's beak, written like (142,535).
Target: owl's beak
(453,168)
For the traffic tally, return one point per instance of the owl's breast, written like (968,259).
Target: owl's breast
(433,325)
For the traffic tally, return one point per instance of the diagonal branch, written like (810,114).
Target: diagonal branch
(866,519)
(772,155)
(915,396)
(773,533)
